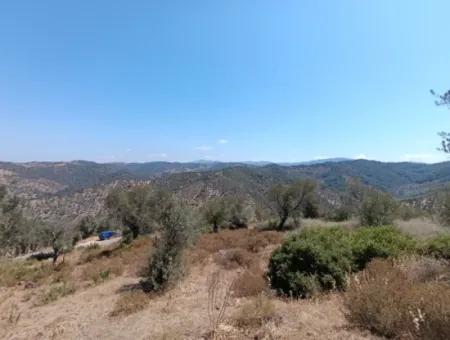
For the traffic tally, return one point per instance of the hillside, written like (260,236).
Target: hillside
(67,190)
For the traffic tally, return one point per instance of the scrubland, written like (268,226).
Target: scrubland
(225,294)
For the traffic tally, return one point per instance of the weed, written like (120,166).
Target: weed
(255,313)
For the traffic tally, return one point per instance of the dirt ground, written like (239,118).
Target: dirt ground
(181,313)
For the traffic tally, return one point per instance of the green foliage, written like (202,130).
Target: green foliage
(215,212)
(18,235)
(377,208)
(289,200)
(339,214)
(444,206)
(406,212)
(320,259)
(438,247)
(87,227)
(312,260)
(311,208)
(139,209)
(381,242)
(239,213)
(165,265)
(231,212)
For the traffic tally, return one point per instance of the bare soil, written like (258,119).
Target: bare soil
(181,313)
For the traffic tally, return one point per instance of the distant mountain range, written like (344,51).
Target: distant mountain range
(70,189)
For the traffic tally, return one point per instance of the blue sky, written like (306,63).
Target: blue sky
(226,80)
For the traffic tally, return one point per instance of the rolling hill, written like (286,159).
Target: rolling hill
(67,190)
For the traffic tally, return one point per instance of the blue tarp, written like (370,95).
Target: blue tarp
(107,234)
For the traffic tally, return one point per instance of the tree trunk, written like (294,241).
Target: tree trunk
(135,232)
(215,227)
(283,220)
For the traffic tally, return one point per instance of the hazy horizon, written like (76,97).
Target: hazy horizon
(312,161)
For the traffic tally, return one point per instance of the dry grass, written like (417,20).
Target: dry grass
(421,227)
(99,271)
(401,300)
(250,283)
(13,273)
(13,315)
(219,294)
(130,303)
(250,240)
(99,265)
(234,258)
(320,223)
(254,314)
(56,292)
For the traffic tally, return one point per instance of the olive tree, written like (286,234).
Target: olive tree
(138,209)
(288,200)
(377,208)
(15,231)
(165,264)
(240,213)
(215,212)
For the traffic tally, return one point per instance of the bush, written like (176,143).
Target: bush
(389,301)
(339,214)
(438,247)
(320,259)
(312,260)
(380,242)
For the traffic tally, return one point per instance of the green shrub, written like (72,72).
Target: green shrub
(339,214)
(438,247)
(315,259)
(321,259)
(380,242)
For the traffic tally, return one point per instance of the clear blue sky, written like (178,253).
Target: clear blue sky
(226,80)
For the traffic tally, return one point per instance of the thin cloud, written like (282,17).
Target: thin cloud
(361,156)
(158,155)
(222,141)
(420,158)
(203,148)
